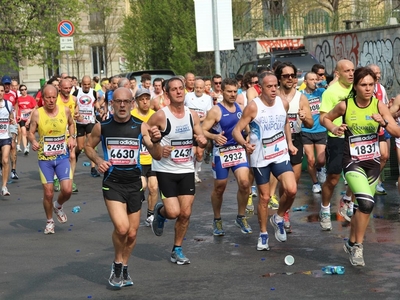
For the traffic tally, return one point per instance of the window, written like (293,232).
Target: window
(98,60)
(96,20)
(53,64)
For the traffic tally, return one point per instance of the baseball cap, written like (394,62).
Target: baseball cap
(6,79)
(141,92)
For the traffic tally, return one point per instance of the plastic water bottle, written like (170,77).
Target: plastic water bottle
(301,208)
(86,164)
(76,209)
(333,270)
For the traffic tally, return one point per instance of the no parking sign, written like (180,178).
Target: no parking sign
(65,28)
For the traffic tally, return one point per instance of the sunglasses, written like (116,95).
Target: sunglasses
(322,74)
(287,76)
(219,82)
(22,90)
(254,82)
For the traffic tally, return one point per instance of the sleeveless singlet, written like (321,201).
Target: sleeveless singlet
(267,132)
(294,120)
(178,133)
(52,135)
(85,102)
(361,135)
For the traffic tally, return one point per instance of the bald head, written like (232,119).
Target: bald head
(86,83)
(49,89)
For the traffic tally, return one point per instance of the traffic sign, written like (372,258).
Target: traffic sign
(67,43)
(65,28)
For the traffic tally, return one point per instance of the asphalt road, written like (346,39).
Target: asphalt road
(74,263)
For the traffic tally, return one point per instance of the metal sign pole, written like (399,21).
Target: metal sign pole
(216,37)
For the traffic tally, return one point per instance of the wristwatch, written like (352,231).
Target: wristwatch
(386,123)
(73,136)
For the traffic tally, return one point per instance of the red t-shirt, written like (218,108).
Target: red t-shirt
(11,96)
(25,106)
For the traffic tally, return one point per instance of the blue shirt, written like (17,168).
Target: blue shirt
(314,99)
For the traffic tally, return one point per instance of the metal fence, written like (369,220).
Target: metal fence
(314,22)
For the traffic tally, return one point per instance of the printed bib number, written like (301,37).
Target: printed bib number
(274,146)
(4,123)
(87,116)
(292,121)
(122,151)
(54,145)
(364,147)
(25,114)
(181,150)
(314,105)
(232,156)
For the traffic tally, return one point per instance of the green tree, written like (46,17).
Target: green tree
(162,34)
(28,29)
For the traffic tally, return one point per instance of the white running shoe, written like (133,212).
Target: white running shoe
(197,179)
(49,228)
(149,220)
(321,175)
(19,148)
(4,191)
(316,188)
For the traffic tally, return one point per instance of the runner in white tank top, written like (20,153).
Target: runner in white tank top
(270,142)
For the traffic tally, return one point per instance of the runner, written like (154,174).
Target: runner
(314,139)
(175,170)
(121,141)
(334,147)
(269,147)
(6,118)
(200,103)
(362,115)
(227,155)
(143,112)
(26,104)
(299,114)
(53,149)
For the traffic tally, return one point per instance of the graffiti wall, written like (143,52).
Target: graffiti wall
(246,51)
(380,47)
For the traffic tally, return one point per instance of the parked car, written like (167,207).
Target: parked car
(301,58)
(163,73)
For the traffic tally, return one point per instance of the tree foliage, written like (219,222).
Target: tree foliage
(162,34)
(28,28)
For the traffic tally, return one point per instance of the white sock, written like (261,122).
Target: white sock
(263,233)
(58,205)
(326,209)
(347,198)
(50,220)
(278,218)
(198,166)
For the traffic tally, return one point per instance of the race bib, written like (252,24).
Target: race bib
(292,121)
(232,156)
(122,151)
(87,116)
(199,112)
(364,147)
(54,145)
(181,150)
(314,105)
(274,146)
(25,114)
(4,123)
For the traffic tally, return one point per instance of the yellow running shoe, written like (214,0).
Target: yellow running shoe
(273,202)
(250,205)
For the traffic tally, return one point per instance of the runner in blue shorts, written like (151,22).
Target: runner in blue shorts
(227,154)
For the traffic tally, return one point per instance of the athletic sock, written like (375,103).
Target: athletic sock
(326,209)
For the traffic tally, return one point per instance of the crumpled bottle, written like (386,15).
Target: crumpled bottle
(301,208)
(76,209)
(333,270)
